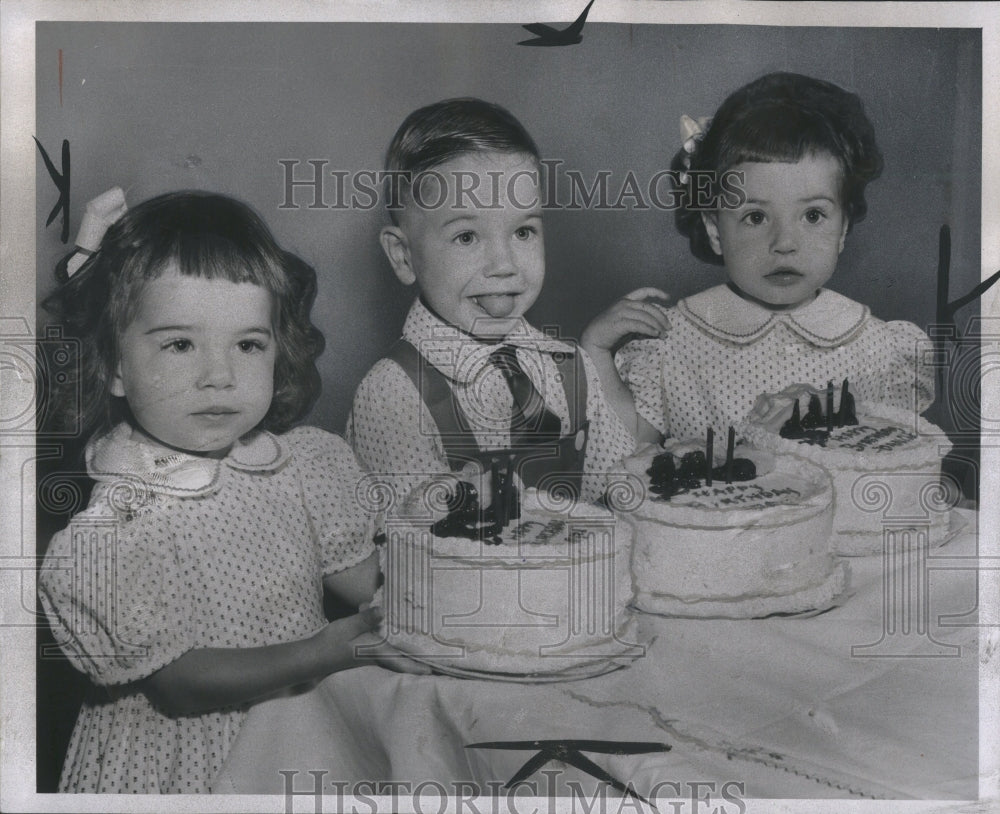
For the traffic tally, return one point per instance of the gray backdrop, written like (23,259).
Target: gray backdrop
(154,107)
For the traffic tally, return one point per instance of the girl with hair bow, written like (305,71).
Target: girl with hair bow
(192,584)
(783,165)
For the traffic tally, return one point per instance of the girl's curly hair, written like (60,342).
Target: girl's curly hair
(201,235)
(778,117)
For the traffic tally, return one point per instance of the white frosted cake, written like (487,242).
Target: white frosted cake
(749,548)
(546,594)
(886,469)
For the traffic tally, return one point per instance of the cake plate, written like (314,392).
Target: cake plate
(590,669)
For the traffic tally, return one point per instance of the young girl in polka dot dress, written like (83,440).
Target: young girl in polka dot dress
(782,169)
(193,582)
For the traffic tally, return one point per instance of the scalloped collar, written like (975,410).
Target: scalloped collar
(117,457)
(460,356)
(829,320)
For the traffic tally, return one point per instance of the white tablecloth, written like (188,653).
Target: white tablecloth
(874,698)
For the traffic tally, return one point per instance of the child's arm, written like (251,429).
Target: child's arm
(630,315)
(213,678)
(355,586)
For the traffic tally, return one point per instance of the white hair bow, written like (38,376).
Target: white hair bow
(98,215)
(692,131)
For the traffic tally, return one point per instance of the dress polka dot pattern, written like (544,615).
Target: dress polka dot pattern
(224,554)
(722,352)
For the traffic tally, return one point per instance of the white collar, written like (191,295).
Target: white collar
(827,321)
(117,457)
(460,356)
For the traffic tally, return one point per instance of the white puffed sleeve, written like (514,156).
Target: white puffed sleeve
(117,595)
(640,365)
(909,379)
(337,497)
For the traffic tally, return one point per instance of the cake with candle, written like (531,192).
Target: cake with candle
(740,536)
(885,463)
(532,585)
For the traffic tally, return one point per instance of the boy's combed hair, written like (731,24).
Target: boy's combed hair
(437,133)
(203,235)
(782,117)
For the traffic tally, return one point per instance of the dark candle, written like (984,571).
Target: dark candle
(796,417)
(708,456)
(508,492)
(829,406)
(842,412)
(496,489)
(730,444)
(814,415)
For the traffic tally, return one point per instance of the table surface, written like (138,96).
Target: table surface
(875,698)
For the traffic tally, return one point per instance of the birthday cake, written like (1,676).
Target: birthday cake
(885,463)
(754,546)
(539,588)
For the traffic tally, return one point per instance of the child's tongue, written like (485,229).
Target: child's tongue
(497,305)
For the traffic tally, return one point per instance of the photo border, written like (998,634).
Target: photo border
(17,301)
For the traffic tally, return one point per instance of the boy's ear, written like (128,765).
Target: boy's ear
(843,235)
(397,249)
(117,387)
(711,221)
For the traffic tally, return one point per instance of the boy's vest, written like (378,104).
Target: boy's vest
(549,462)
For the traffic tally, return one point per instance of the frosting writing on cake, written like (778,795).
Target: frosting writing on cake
(863,438)
(742,495)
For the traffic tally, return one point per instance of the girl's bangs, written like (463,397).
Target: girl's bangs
(777,135)
(216,257)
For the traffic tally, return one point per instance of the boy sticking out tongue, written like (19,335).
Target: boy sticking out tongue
(472,384)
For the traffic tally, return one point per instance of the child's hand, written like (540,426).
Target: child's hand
(772,410)
(338,637)
(207,679)
(358,636)
(632,314)
(377,651)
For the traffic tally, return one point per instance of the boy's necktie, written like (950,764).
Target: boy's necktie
(531,421)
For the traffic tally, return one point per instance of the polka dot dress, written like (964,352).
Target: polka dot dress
(178,553)
(394,435)
(722,352)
